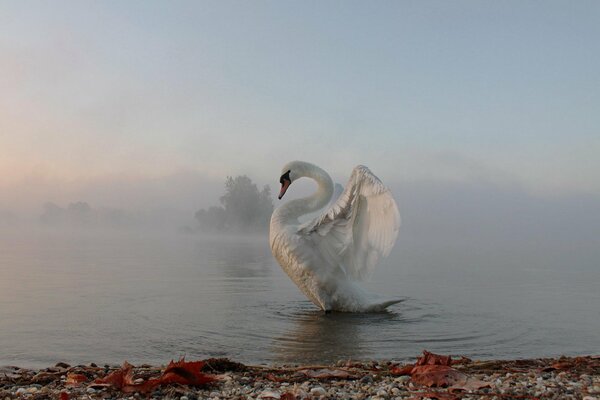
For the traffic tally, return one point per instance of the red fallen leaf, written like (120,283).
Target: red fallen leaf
(406,370)
(186,373)
(560,366)
(436,375)
(425,365)
(119,378)
(122,379)
(181,372)
(433,359)
(74,379)
(434,370)
(64,396)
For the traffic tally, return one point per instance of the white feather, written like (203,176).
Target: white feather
(359,228)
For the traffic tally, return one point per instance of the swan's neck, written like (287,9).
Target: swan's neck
(292,210)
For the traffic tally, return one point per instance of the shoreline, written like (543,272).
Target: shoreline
(432,376)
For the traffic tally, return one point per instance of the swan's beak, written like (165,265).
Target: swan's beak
(284,187)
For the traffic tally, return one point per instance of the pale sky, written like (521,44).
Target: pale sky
(501,91)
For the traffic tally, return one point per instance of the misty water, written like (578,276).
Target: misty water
(106,297)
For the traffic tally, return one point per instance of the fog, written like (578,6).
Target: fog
(434,213)
(484,212)
(146,202)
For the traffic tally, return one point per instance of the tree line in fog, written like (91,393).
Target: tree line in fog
(244,209)
(81,214)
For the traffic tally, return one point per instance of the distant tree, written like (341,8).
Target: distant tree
(80,213)
(244,208)
(52,214)
(212,219)
(114,217)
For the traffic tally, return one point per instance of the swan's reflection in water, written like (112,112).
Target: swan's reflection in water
(317,337)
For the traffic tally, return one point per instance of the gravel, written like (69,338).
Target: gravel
(561,378)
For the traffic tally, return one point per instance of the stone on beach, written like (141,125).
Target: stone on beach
(565,378)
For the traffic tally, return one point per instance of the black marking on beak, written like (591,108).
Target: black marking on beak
(285,183)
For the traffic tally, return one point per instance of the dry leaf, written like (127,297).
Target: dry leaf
(74,379)
(181,372)
(436,375)
(429,358)
(186,373)
(434,370)
(406,370)
(119,378)
(44,378)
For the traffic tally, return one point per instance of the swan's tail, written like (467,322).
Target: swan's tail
(351,297)
(381,306)
(364,307)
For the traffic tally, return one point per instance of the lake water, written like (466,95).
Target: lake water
(107,297)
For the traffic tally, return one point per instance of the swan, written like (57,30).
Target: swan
(329,255)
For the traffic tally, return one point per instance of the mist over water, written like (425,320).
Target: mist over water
(106,296)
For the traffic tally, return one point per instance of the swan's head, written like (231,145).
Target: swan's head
(289,173)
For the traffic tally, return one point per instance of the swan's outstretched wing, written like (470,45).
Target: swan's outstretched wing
(359,228)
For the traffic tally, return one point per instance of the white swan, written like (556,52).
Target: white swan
(327,256)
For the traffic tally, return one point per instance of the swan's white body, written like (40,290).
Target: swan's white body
(328,256)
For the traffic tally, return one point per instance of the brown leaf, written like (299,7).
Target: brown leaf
(433,359)
(186,373)
(181,372)
(44,378)
(436,375)
(406,370)
(288,396)
(74,379)
(559,366)
(118,378)
(434,370)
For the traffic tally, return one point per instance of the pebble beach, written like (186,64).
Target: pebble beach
(547,378)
